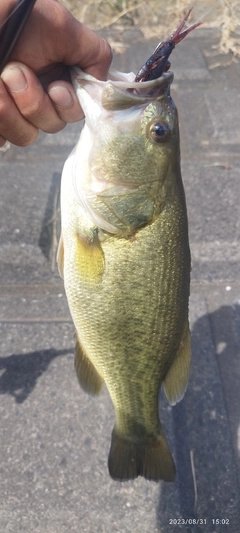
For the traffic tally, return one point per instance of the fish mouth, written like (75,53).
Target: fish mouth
(120,91)
(121,80)
(120,94)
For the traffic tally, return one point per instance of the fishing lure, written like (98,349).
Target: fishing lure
(158,62)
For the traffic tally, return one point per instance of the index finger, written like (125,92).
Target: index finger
(57,37)
(86,49)
(97,58)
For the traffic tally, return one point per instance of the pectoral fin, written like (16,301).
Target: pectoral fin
(60,256)
(176,380)
(88,377)
(89,257)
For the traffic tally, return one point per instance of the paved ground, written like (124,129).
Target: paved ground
(54,438)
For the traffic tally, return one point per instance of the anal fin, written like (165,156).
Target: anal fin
(176,380)
(88,377)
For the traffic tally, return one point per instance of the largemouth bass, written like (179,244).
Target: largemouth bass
(124,256)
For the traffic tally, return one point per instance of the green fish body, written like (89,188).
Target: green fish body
(124,256)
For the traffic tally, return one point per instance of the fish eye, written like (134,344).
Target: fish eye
(160,132)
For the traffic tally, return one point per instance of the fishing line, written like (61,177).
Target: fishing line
(11,28)
(12,12)
(206,13)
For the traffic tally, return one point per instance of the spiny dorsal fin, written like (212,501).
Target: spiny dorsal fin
(88,377)
(176,380)
(60,256)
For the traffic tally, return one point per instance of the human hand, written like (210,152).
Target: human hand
(35,88)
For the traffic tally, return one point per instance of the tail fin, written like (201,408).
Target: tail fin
(151,459)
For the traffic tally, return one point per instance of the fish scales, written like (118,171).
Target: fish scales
(125,260)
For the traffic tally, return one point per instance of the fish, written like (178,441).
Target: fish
(125,259)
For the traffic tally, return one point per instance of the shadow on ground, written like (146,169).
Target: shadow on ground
(20,372)
(205,432)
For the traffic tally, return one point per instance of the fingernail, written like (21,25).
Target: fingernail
(15,79)
(61,96)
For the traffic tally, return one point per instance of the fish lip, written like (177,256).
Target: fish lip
(116,78)
(120,91)
(120,94)
(121,80)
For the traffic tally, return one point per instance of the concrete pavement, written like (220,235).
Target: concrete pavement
(54,438)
